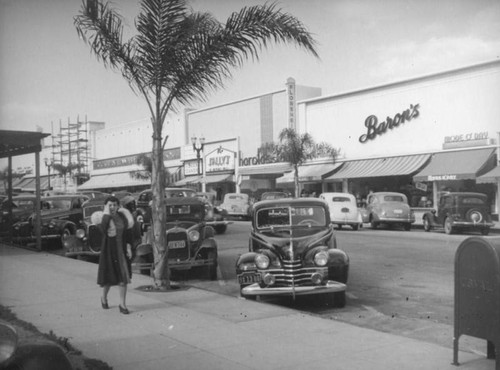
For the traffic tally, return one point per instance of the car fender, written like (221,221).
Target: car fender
(144,250)
(337,257)
(245,258)
(209,243)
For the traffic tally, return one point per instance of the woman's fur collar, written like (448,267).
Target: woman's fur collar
(96,217)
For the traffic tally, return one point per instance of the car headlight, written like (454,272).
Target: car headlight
(194,235)
(8,342)
(321,258)
(80,233)
(262,261)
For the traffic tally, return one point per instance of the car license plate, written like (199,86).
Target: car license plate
(249,278)
(398,211)
(176,244)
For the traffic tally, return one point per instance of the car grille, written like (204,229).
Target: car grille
(177,238)
(294,274)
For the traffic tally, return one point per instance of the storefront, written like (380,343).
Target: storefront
(418,136)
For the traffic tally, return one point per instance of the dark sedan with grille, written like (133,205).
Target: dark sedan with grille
(293,251)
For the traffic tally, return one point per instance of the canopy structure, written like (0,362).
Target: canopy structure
(310,173)
(378,167)
(15,143)
(490,177)
(114,180)
(265,170)
(457,165)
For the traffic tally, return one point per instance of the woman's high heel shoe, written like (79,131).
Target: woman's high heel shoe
(124,311)
(104,304)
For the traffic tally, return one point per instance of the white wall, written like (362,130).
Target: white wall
(454,103)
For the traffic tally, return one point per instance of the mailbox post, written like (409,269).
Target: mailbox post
(477,294)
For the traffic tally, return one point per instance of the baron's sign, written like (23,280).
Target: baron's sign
(219,160)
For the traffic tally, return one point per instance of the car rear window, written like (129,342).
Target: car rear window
(394,198)
(340,199)
(473,201)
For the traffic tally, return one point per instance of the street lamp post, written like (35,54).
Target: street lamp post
(198,144)
(48,164)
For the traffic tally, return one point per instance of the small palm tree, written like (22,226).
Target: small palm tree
(177,56)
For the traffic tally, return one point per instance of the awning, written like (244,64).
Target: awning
(188,180)
(490,177)
(392,166)
(309,173)
(457,165)
(114,180)
(213,179)
(277,169)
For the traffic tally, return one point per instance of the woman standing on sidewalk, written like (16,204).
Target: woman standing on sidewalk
(116,250)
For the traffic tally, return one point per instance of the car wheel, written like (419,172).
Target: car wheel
(448,228)
(427,224)
(485,231)
(65,234)
(355,227)
(212,269)
(221,229)
(373,224)
(407,227)
(339,227)
(339,299)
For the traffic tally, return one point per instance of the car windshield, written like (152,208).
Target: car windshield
(393,198)
(18,203)
(341,199)
(183,211)
(89,209)
(236,198)
(290,216)
(59,204)
(473,201)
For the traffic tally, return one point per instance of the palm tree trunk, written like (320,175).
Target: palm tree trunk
(160,273)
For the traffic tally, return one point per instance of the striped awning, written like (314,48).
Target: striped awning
(392,166)
(490,177)
(309,173)
(457,165)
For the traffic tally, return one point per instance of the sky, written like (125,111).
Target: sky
(48,75)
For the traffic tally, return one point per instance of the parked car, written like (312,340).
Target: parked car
(190,241)
(29,354)
(293,251)
(237,205)
(214,216)
(274,195)
(389,208)
(19,209)
(146,197)
(60,217)
(86,242)
(343,209)
(460,211)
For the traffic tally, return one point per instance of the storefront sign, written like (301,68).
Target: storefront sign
(465,140)
(130,160)
(219,160)
(441,177)
(374,128)
(421,186)
(191,168)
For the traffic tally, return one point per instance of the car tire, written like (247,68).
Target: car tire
(373,224)
(64,235)
(448,228)
(355,227)
(427,224)
(339,299)
(339,227)
(221,229)
(407,227)
(212,269)
(485,231)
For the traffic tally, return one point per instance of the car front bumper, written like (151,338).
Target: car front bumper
(330,287)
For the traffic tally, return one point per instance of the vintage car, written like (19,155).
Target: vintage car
(214,216)
(269,195)
(146,197)
(343,209)
(389,208)
(86,242)
(190,241)
(60,217)
(20,208)
(237,205)
(459,212)
(29,353)
(292,252)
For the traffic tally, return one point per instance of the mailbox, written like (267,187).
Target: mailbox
(477,293)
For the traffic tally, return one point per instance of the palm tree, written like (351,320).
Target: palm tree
(297,149)
(177,56)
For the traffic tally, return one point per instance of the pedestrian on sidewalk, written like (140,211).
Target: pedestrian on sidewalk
(115,223)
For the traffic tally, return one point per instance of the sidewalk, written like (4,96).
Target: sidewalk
(196,329)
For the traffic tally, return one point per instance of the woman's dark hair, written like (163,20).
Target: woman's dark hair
(113,199)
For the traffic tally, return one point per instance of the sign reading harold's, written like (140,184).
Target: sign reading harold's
(375,128)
